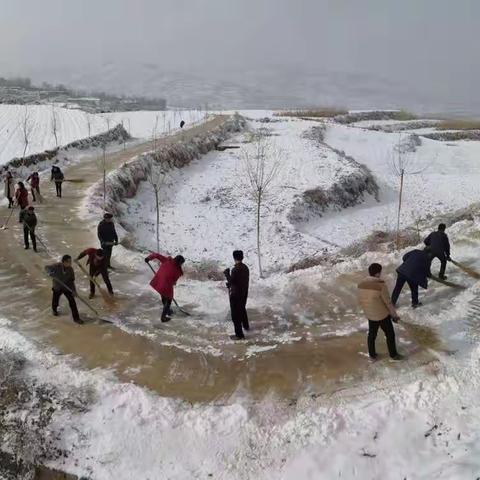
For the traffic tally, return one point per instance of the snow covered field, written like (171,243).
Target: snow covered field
(206,211)
(73,125)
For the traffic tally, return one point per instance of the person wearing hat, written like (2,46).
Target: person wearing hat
(34,180)
(165,280)
(238,282)
(107,235)
(29,220)
(97,263)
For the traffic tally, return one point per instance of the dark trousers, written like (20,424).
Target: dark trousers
(35,190)
(443,263)
(387,326)
(239,315)
(29,231)
(401,280)
(107,250)
(58,188)
(10,202)
(104,273)
(71,301)
(167,303)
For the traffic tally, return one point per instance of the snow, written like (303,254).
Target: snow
(415,419)
(223,217)
(73,125)
(403,420)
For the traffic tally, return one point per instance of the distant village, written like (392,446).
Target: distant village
(20,90)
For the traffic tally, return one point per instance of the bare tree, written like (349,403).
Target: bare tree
(261,168)
(89,123)
(154,134)
(156,178)
(401,163)
(55,125)
(27,128)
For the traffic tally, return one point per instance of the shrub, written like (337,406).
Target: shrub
(327,112)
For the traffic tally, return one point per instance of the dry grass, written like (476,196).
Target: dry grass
(313,113)
(459,125)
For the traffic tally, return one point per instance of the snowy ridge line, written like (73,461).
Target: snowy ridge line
(123,182)
(348,189)
(48,157)
(452,136)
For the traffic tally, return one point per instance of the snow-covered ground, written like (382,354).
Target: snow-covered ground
(72,125)
(400,421)
(206,211)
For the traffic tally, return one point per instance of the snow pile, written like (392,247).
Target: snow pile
(123,183)
(45,159)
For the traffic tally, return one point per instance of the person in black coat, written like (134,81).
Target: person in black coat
(439,248)
(107,235)
(57,177)
(238,282)
(413,271)
(63,283)
(29,220)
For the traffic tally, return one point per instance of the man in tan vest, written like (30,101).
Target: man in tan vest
(375,300)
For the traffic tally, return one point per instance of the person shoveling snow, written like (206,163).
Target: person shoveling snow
(165,279)
(375,300)
(439,248)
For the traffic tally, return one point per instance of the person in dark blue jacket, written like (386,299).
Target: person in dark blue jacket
(414,271)
(439,248)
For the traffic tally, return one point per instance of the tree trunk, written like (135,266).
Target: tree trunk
(158,218)
(259,203)
(399,208)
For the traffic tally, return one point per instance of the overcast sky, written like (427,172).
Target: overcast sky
(422,42)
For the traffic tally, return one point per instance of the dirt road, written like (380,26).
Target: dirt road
(25,298)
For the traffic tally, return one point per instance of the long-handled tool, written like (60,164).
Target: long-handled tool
(106,296)
(174,301)
(4,226)
(467,270)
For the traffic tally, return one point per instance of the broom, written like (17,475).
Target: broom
(106,296)
(469,271)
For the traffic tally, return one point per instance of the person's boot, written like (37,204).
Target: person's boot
(27,247)
(397,357)
(235,337)
(55,313)
(165,319)
(442,277)
(92,295)
(79,321)
(416,305)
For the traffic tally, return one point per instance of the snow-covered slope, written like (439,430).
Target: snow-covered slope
(73,124)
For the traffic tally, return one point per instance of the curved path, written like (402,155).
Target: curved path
(25,297)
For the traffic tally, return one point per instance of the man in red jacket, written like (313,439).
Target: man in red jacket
(98,266)
(165,279)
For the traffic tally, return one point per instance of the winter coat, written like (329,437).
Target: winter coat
(65,275)
(438,243)
(29,218)
(166,276)
(106,232)
(374,298)
(238,282)
(21,196)
(415,267)
(96,264)
(34,180)
(57,175)
(9,187)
